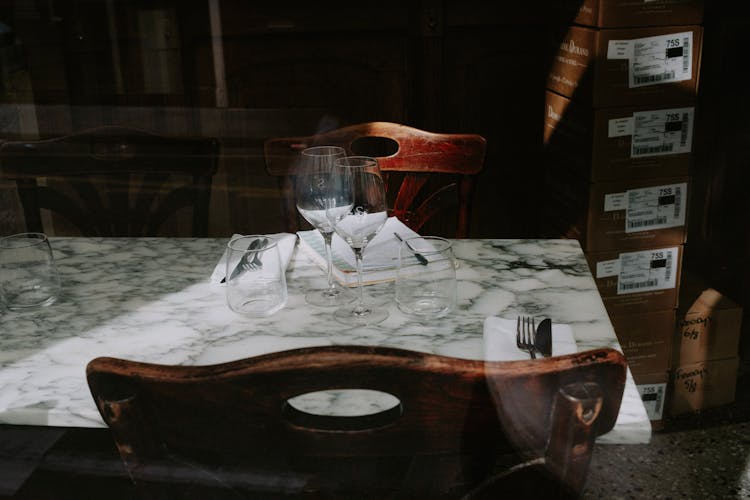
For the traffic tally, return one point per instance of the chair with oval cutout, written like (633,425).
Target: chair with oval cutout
(112,180)
(457,428)
(426,172)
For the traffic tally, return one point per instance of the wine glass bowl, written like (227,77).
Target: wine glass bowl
(357,212)
(313,192)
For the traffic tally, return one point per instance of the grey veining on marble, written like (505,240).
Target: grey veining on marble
(150,299)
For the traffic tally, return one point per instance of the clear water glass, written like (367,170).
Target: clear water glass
(426,277)
(256,280)
(28,276)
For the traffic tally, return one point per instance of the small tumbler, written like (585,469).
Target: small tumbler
(28,277)
(256,283)
(426,277)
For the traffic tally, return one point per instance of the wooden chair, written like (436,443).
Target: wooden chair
(112,181)
(409,158)
(461,428)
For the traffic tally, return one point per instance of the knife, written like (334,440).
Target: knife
(543,338)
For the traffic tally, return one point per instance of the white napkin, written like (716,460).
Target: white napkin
(500,340)
(286,242)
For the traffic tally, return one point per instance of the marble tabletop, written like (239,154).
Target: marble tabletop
(151,299)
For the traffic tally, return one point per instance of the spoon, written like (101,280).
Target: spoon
(543,338)
(421,258)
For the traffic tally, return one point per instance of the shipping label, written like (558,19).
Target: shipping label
(652,396)
(662,132)
(656,207)
(647,270)
(657,59)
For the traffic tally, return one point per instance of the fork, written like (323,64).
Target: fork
(525,332)
(248,265)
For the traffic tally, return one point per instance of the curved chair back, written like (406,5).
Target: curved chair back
(425,171)
(113,181)
(454,425)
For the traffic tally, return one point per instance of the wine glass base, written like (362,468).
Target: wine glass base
(360,315)
(330,297)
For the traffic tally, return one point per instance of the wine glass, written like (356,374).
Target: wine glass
(358,213)
(312,192)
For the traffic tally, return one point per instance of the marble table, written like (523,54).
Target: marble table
(151,299)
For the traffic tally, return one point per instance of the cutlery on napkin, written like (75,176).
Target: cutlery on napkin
(543,338)
(500,340)
(286,242)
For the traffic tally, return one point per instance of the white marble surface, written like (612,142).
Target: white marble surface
(150,299)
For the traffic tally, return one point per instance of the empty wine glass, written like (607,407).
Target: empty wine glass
(313,194)
(357,215)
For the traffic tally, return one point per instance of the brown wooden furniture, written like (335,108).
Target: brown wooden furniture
(113,181)
(409,158)
(461,428)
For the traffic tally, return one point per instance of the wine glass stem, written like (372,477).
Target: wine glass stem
(327,237)
(360,307)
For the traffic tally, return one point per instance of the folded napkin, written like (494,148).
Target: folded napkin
(285,242)
(380,257)
(500,340)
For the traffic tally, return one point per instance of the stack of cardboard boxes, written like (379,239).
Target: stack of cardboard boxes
(705,360)
(619,121)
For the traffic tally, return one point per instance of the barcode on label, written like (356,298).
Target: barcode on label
(639,284)
(661,148)
(646,223)
(685,55)
(684,134)
(659,399)
(668,270)
(677,201)
(652,396)
(670,75)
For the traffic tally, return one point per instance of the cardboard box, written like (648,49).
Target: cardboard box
(637,281)
(624,143)
(709,325)
(616,215)
(646,340)
(653,388)
(626,67)
(627,13)
(697,386)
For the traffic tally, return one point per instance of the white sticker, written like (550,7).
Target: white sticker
(647,270)
(661,59)
(607,268)
(619,49)
(652,396)
(656,207)
(662,132)
(615,201)
(620,127)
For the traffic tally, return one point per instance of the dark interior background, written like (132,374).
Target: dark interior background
(244,71)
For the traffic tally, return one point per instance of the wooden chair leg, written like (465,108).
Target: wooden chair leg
(572,433)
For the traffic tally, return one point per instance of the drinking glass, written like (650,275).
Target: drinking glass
(357,215)
(28,277)
(256,283)
(426,277)
(313,194)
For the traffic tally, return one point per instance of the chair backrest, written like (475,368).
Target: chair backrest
(409,156)
(113,181)
(456,421)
